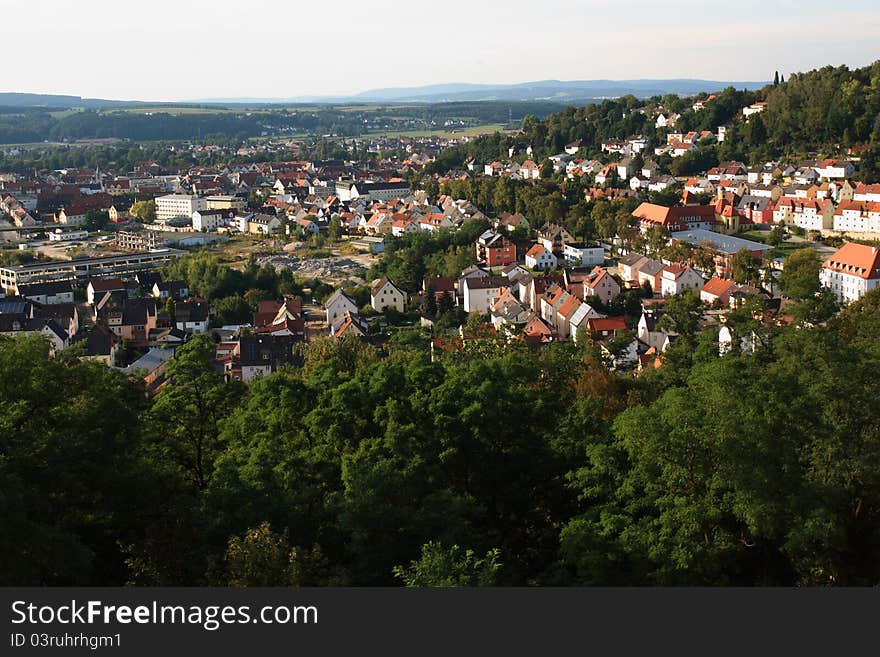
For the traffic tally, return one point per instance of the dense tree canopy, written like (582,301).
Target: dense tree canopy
(514,467)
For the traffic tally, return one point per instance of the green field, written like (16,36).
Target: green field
(174,110)
(467,131)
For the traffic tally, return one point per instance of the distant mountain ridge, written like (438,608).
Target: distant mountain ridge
(555,90)
(541,90)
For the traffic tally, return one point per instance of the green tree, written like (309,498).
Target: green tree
(453,566)
(145,211)
(186,415)
(800,277)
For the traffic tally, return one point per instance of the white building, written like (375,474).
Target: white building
(338,304)
(210,220)
(539,257)
(857,217)
(852,271)
(479,291)
(385,294)
(175,206)
(677,278)
(583,255)
(69,236)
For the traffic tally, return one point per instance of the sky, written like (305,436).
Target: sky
(173,50)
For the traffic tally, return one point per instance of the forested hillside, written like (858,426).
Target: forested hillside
(501,466)
(820,111)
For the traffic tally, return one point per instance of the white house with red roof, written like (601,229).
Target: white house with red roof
(852,271)
(540,258)
(677,278)
(717,289)
(870,193)
(807,213)
(857,217)
(831,169)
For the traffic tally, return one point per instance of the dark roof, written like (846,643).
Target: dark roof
(272,350)
(147,279)
(13,306)
(484,282)
(195,310)
(49,288)
(99,340)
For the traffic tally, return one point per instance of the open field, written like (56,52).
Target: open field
(175,110)
(470,131)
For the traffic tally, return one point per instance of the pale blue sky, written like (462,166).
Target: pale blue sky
(185,49)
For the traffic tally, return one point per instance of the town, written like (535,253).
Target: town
(100,240)
(625,341)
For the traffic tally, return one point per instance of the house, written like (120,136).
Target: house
(540,258)
(401,224)
(100,344)
(650,272)
(56,335)
(65,315)
(97,288)
(384,294)
(857,217)
(130,319)
(726,336)
(870,193)
(809,214)
(260,355)
(263,224)
(852,271)
(191,316)
(474,271)
(535,287)
(210,220)
(151,367)
(581,254)
(676,278)
(71,216)
(650,331)
(349,324)
(629,266)
(717,289)
(601,285)
(170,289)
(831,169)
(479,291)
(681,148)
(507,310)
(495,250)
(676,218)
(755,209)
(49,293)
(434,221)
(337,305)
(667,120)
(554,237)
(279,317)
(607,174)
(754,108)
(511,222)
(440,285)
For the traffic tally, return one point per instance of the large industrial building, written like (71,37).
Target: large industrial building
(83,269)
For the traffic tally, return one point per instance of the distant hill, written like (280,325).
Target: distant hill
(57,101)
(543,90)
(555,90)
